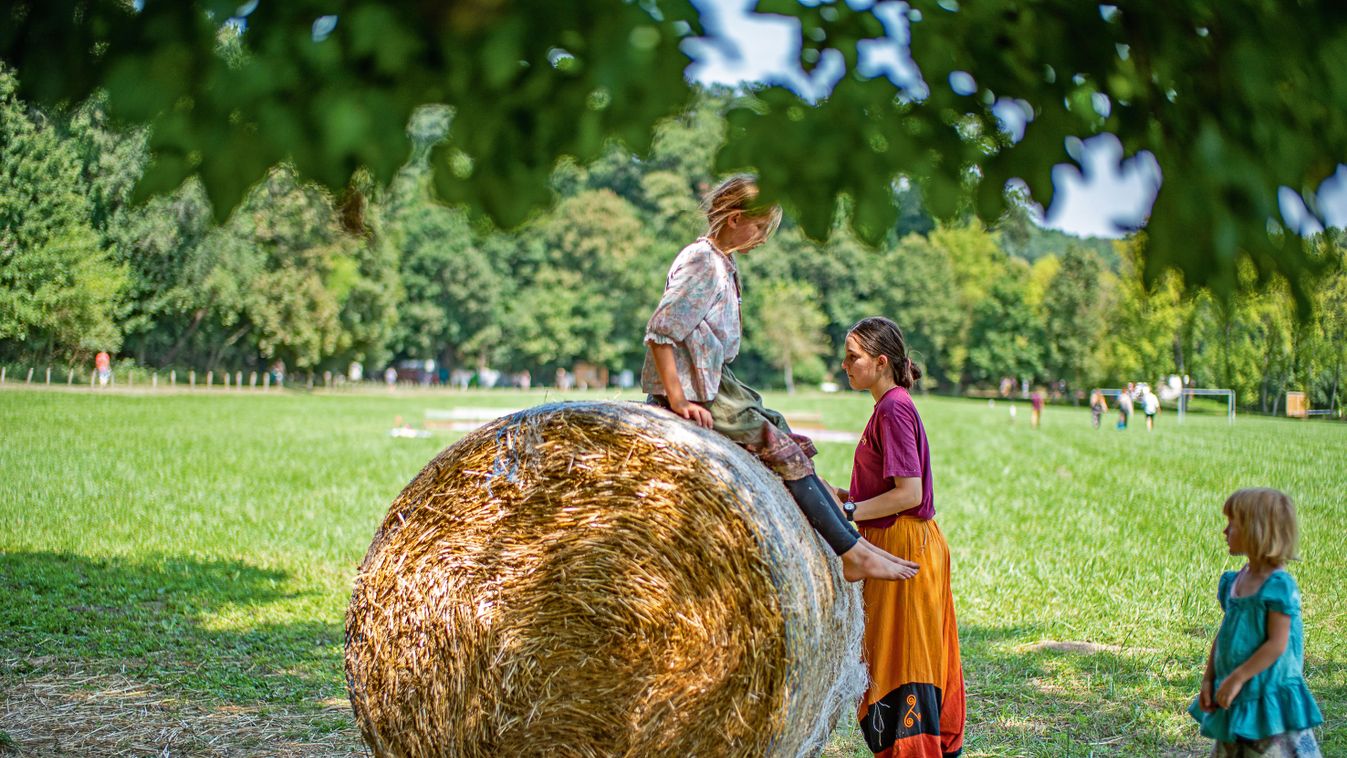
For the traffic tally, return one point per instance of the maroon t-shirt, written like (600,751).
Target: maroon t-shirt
(893,445)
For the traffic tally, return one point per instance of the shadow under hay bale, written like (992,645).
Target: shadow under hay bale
(599,579)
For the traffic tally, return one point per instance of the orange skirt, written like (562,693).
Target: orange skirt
(914,707)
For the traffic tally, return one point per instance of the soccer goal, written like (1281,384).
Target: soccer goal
(1229,396)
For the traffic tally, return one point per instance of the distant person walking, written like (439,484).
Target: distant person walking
(103,367)
(1125,407)
(1098,405)
(1035,408)
(1150,405)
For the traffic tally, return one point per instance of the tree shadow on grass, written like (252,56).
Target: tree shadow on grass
(149,620)
(1033,698)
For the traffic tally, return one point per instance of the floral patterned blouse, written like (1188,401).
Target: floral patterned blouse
(699,316)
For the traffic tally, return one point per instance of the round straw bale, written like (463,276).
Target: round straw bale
(599,579)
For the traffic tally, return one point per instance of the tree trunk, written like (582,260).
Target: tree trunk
(182,340)
(1337,376)
(790,379)
(1225,354)
(219,349)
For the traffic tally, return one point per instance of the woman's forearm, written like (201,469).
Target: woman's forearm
(905,496)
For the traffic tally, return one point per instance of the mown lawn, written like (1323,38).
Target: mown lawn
(190,556)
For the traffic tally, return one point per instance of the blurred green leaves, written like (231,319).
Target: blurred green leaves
(1235,100)
(228,104)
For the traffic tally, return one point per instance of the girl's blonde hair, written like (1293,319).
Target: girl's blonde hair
(1266,519)
(737,194)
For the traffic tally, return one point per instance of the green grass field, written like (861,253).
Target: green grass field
(174,568)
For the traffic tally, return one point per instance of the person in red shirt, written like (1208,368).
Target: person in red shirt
(103,365)
(915,704)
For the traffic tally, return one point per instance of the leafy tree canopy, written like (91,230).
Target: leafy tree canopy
(1235,100)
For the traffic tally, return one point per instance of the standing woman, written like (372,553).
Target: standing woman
(915,704)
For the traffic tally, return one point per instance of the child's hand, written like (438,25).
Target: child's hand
(1229,691)
(695,413)
(1204,699)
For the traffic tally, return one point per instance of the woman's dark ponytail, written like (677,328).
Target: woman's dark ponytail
(881,336)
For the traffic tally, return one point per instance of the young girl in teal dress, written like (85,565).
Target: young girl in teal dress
(1254,700)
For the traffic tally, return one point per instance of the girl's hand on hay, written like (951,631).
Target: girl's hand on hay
(694,413)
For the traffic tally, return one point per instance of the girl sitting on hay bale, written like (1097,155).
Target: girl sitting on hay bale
(692,337)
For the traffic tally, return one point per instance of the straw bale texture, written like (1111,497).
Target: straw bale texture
(599,579)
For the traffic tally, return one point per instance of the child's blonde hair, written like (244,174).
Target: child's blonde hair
(1266,519)
(737,194)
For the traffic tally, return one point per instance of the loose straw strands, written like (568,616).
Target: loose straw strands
(597,579)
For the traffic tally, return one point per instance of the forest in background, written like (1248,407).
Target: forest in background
(163,284)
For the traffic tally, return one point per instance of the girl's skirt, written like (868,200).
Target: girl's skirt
(915,704)
(738,413)
(1285,745)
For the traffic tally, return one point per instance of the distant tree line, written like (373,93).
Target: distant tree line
(164,284)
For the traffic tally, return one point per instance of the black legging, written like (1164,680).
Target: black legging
(821,510)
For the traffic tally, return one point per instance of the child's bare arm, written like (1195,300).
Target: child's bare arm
(668,376)
(1278,631)
(1205,700)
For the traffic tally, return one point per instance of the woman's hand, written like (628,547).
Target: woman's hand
(1204,699)
(1229,691)
(693,412)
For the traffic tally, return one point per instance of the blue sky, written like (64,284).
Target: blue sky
(1099,194)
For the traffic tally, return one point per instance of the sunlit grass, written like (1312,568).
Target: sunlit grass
(207,543)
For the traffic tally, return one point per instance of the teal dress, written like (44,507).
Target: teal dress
(1276,700)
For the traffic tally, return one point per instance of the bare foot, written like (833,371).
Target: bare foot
(887,555)
(864,561)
